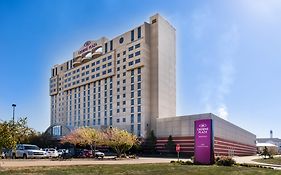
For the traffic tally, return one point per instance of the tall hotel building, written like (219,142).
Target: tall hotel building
(126,82)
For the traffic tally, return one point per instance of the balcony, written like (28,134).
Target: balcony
(97,52)
(76,62)
(87,57)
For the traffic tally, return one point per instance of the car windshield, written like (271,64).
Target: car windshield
(32,147)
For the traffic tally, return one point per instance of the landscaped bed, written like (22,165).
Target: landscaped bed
(140,169)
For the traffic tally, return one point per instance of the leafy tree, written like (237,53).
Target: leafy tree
(85,136)
(170,145)
(6,138)
(151,142)
(120,140)
(13,133)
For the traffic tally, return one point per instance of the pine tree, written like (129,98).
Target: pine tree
(170,145)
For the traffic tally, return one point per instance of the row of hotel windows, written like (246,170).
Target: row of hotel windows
(104,59)
(88,66)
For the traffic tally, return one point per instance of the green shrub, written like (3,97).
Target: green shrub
(224,161)
(188,162)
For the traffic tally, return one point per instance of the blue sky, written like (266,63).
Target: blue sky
(228,53)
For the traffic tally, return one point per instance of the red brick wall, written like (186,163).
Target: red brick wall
(221,146)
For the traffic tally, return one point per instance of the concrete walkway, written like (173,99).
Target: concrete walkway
(249,160)
(5,163)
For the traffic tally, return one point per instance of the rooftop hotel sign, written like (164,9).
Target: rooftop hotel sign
(86,48)
(203,142)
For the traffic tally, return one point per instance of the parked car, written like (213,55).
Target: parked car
(99,154)
(26,151)
(51,152)
(61,151)
(3,155)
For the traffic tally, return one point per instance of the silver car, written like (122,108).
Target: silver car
(26,151)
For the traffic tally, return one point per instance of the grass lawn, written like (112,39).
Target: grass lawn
(276,160)
(141,169)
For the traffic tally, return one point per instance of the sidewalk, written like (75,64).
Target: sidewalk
(249,160)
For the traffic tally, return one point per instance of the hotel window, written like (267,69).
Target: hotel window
(124,119)
(104,66)
(98,121)
(131,48)
(98,62)
(132,35)
(132,87)
(132,118)
(109,71)
(109,57)
(132,109)
(124,59)
(139,32)
(139,101)
(118,61)
(132,94)
(131,63)
(111,45)
(121,40)
(124,74)
(139,93)
(104,59)
(124,109)
(87,66)
(124,52)
(139,108)
(118,54)
(137,46)
(132,102)
(93,64)
(118,120)
(139,85)
(139,77)
(137,53)
(139,129)
(110,121)
(132,79)
(132,128)
(137,61)
(131,55)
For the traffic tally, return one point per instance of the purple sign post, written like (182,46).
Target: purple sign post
(203,142)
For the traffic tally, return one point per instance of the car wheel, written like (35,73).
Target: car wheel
(24,156)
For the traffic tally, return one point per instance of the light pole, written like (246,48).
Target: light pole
(14,106)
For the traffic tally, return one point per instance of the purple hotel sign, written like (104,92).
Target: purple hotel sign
(203,143)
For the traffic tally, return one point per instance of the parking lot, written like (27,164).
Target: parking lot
(5,163)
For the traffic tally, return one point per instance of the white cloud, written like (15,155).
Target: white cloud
(222,112)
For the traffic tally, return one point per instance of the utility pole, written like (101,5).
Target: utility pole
(14,106)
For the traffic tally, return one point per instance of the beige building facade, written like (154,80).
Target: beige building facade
(127,82)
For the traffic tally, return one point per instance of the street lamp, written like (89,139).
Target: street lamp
(14,106)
